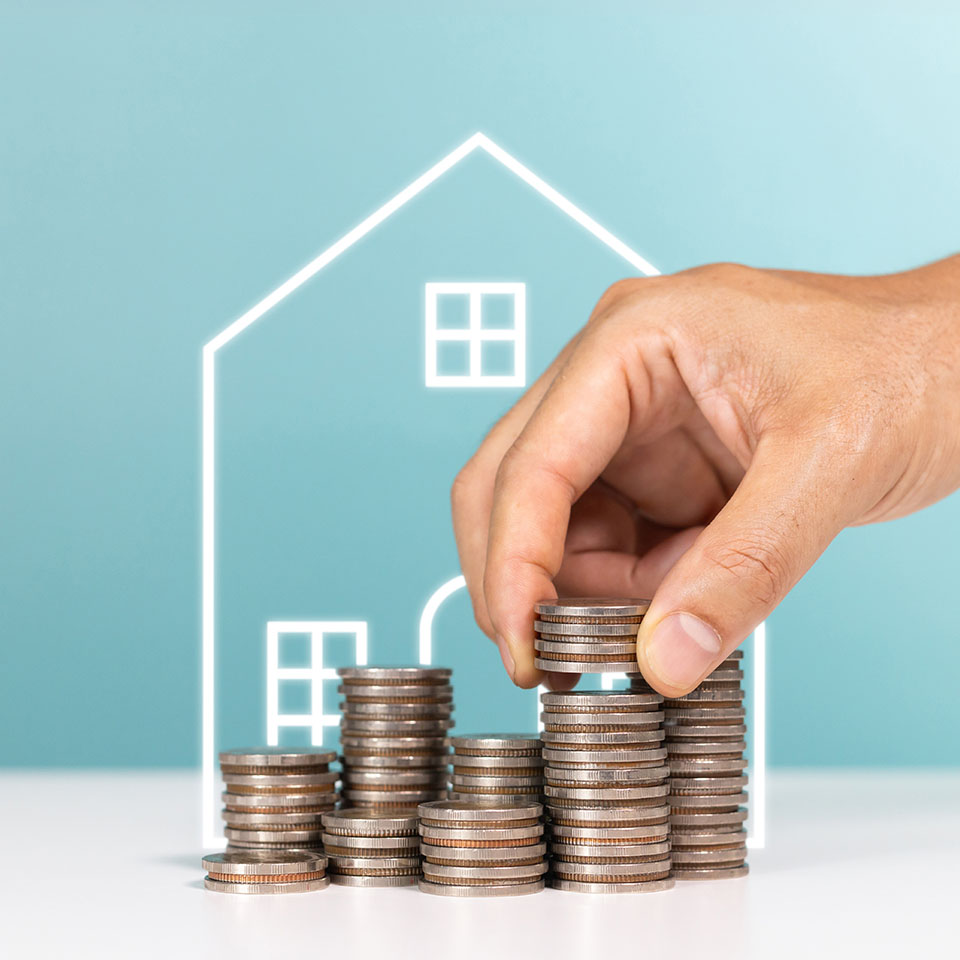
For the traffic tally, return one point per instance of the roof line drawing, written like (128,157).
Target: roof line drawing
(477,141)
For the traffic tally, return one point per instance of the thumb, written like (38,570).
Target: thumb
(783,515)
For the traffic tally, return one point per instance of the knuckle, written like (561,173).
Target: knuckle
(462,489)
(756,564)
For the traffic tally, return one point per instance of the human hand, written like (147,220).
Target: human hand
(701,441)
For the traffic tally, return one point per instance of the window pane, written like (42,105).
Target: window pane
(497,311)
(453,311)
(453,358)
(497,358)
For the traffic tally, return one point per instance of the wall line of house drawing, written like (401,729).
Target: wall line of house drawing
(473,334)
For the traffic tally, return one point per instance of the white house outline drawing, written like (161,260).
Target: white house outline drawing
(478,141)
(475,334)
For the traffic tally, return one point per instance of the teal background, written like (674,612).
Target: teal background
(164,166)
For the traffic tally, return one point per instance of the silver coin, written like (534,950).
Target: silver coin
(563,759)
(592,607)
(494,764)
(607,816)
(374,675)
(590,700)
(399,745)
(290,838)
(485,890)
(291,820)
(373,864)
(290,781)
(705,697)
(366,823)
(580,886)
(708,714)
(609,777)
(706,766)
(496,742)
(378,846)
(235,846)
(578,651)
(715,786)
(502,855)
(608,794)
(461,812)
(277,757)
(603,852)
(711,873)
(412,779)
(484,835)
(648,718)
(597,836)
(495,781)
(388,798)
(685,803)
(687,749)
(686,839)
(345,880)
(515,873)
(377,761)
(279,802)
(397,711)
(724,672)
(583,666)
(493,794)
(730,731)
(400,728)
(289,886)
(261,863)
(708,821)
(414,693)
(727,856)
(614,738)
(570,870)
(545,628)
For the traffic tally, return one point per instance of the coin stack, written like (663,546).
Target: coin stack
(606,787)
(497,766)
(587,635)
(705,743)
(481,848)
(265,871)
(393,735)
(275,796)
(371,849)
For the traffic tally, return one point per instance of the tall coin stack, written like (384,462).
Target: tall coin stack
(586,635)
(606,787)
(481,848)
(275,796)
(497,766)
(393,735)
(705,743)
(371,849)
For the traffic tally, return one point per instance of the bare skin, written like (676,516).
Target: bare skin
(701,441)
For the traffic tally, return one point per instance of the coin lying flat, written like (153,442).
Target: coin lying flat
(358,760)
(622,816)
(465,812)
(265,887)
(611,777)
(595,740)
(261,871)
(288,820)
(580,629)
(277,757)
(290,783)
(492,856)
(581,650)
(602,836)
(366,823)
(709,821)
(348,880)
(711,873)
(368,846)
(631,756)
(277,802)
(414,693)
(497,744)
(583,666)
(482,836)
(440,873)
(581,886)
(709,856)
(574,722)
(689,749)
(633,872)
(397,711)
(383,675)
(588,607)
(290,838)
(399,779)
(597,701)
(488,890)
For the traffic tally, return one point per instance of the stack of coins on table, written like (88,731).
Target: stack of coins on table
(587,635)
(393,735)
(497,766)
(367,848)
(481,848)
(606,787)
(705,743)
(275,796)
(265,871)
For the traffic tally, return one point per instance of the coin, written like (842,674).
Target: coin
(682,803)
(581,651)
(353,726)
(687,750)
(387,692)
(394,779)
(564,758)
(587,607)
(493,856)
(570,722)
(633,872)
(497,744)
(597,836)
(290,838)
(462,781)
(612,776)
(357,760)
(461,812)
(711,873)
(594,740)
(733,731)
(706,766)
(481,836)
(394,746)
(614,817)
(257,863)
(496,765)
(727,856)
(368,846)
(488,890)
(698,786)
(366,823)
(711,713)
(709,820)
(608,853)
(397,711)
(297,886)
(581,886)
(438,872)
(583,666)
(278,802)
(607,794)
(384,675)
(391,798)
(546,629)
(249,820)
(277,757)
(349,880)
(600,701)
(706,697)
(683,839)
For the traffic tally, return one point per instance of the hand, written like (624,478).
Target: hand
(701,441)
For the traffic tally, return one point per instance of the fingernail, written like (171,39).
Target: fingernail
(506,656)
(681,649)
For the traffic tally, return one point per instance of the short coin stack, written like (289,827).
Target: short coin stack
(705,743)
(275,796)
(393,735)
(606,788)
(265,871)
(497,766)
(587,635)
(482,849)
(371,849)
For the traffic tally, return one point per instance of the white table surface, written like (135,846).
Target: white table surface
(108,865)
